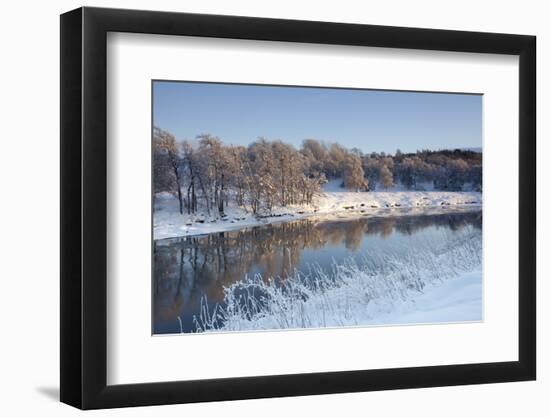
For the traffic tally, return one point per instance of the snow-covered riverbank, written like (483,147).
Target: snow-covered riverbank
(458,299)
(168,222)
(432,282)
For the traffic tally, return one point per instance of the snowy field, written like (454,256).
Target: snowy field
(458,299)
(168,222)
(432,283)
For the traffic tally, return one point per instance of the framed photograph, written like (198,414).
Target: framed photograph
(256,207)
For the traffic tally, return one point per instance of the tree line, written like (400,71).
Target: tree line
(270,173)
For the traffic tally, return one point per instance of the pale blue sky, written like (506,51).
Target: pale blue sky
(370,120)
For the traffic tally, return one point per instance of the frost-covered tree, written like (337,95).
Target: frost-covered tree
(191,166)
(398,155)
(263,171)
(167,164)
(237,168)
(476,177)
(409,171)
(316,154)
(206,174)
(371,167)
(457,169)
(335,163)
(386,177)
(216,161)
(354,176)
(285,162)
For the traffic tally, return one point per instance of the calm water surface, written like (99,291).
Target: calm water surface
(187,269)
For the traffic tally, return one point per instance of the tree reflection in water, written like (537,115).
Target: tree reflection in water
(187,268)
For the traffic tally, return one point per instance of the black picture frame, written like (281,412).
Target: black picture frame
(84,207)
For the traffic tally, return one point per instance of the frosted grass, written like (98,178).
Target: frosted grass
(357,291)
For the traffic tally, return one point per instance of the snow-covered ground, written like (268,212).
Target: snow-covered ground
(168,222)
(427,285)
(457,299)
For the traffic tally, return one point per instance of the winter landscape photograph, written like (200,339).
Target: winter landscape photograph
(284,208)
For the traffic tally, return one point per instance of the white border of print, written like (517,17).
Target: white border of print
(134,356)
